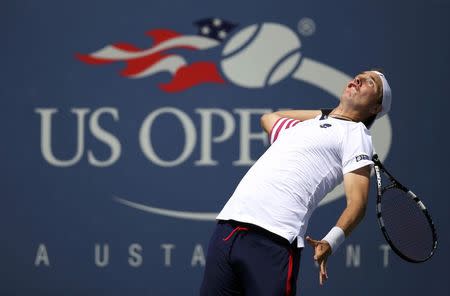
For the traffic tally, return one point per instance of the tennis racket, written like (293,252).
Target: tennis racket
(403,218)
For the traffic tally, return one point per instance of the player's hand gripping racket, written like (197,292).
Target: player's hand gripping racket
(403,218)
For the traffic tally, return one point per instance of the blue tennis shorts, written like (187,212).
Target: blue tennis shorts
(244,259)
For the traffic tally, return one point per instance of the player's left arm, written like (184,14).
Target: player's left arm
(356,185)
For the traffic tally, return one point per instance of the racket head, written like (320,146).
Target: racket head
(404,220)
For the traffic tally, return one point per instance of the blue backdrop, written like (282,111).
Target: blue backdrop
(127,124)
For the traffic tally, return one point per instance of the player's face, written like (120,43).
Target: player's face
(364,91)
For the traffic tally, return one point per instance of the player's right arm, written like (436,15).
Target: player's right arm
(268,120)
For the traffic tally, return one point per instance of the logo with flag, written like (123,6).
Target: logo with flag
(160,56)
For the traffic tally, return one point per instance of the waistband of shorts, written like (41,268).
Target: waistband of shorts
(257,229)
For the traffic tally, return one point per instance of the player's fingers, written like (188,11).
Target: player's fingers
(323,269)
(318,253)
(322,279)
(313,243)
(323,273)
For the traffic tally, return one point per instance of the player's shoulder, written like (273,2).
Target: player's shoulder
(364,129)
(356,133)
(358,127)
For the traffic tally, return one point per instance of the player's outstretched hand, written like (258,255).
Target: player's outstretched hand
(322,250)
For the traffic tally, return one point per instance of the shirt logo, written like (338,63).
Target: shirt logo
(325,125)
(362,157)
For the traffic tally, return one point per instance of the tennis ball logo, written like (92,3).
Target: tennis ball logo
(261,55)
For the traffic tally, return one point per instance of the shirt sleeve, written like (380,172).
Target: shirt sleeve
(357,149)
(280,126)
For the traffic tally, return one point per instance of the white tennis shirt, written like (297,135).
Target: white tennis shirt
(305,162)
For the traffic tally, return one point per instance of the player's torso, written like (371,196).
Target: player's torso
(282,189)
(305,159)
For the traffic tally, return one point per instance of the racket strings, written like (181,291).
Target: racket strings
(406,224)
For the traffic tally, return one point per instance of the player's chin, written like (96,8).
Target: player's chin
(346,96)
(350,98)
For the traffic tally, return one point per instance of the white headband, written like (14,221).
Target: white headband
(387,96)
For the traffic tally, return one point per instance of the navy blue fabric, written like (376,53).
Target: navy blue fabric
(250,262)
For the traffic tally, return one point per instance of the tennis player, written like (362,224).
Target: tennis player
(255,248)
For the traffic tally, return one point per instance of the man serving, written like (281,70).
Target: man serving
(255,249)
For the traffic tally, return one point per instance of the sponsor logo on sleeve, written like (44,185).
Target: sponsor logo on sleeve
(362,157)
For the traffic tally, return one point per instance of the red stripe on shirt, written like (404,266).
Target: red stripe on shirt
(288,123)
(291,123)
(273,126)
(279,129)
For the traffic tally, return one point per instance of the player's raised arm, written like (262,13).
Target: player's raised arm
(268,120)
